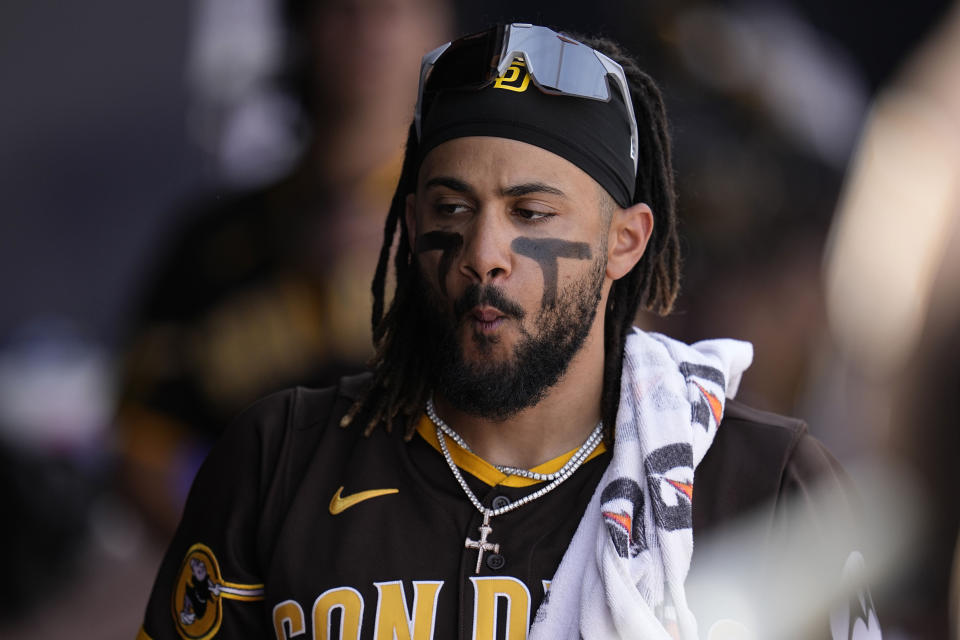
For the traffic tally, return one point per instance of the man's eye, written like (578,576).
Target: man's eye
(450,208)
(532,215)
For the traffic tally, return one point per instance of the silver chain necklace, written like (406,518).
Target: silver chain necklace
(556,478)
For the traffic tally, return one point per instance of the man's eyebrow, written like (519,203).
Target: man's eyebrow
(450,183)
(531,187)
(513,191)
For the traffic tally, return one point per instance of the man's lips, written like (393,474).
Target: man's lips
(487,318)
(486,314)
(485,300)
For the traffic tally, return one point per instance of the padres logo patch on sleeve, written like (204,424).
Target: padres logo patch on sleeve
(199,592)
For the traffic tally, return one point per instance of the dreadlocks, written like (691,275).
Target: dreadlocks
(400,384)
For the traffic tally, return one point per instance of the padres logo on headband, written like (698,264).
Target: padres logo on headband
(199,593)
(515,78)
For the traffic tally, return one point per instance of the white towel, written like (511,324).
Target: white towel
(622,575)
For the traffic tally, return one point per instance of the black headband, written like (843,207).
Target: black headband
(592,134)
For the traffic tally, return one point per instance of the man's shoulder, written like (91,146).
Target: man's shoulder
(295,418)
(281,435)
(316,407)
(352,387)
(743,425)
(305,408)
(746,464)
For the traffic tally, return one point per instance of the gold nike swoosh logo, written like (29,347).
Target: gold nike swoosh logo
(339,504)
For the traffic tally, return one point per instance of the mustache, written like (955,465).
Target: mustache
(487,295)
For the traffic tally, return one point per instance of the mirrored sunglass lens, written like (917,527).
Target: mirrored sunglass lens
(560,65)
(581,73)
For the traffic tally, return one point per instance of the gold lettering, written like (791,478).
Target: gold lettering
(393,621)
(288,619)
(350,603)
(486,591)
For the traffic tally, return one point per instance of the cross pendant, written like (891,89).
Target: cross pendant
(482,545)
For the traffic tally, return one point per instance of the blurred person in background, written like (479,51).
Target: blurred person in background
(268,288)
(893,284)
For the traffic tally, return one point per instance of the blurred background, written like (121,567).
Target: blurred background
(192,205)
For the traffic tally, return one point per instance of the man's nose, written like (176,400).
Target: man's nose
(486,253)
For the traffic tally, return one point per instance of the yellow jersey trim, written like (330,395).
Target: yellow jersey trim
(489,474)
(142,635)
(240,597)
(238,585)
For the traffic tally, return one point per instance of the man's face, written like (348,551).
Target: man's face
(511,244)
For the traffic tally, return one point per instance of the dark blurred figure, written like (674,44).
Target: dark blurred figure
(269,288)
(893,284)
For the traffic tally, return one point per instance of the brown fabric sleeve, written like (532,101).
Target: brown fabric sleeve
(218,530)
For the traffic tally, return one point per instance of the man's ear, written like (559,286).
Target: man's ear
(629,233)
(411,219)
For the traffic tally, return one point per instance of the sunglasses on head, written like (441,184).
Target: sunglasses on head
(557,64)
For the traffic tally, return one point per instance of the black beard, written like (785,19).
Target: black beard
(500,390)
